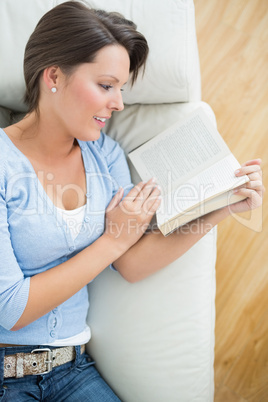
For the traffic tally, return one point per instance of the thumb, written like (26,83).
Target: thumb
(116,199)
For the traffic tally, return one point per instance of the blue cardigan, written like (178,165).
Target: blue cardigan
(34,238)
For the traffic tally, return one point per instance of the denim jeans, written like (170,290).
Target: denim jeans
(74,381)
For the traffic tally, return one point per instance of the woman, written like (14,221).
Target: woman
(63,215)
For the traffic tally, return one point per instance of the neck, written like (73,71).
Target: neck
(46,137)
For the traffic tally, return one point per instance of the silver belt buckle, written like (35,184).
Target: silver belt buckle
(48,362)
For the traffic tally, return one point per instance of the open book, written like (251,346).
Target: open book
(194,168)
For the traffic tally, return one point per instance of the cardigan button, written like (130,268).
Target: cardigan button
(52,334)
(71,248)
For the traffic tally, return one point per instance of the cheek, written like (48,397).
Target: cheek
(88,96)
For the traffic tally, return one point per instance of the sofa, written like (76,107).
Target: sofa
(153,341)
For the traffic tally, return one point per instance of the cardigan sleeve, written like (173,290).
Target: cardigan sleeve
(14,287)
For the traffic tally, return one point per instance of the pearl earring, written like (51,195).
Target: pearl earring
(54,90)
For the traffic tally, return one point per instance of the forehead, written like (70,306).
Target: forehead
(113,57)
(110,61)
(112,52)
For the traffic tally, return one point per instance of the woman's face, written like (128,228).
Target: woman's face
(86,99)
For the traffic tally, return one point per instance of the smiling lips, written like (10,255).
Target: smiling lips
(103,119)
(100,120)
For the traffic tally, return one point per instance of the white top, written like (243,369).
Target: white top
(78,339)
(74,219)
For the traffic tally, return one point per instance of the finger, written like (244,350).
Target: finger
(145,191)
(148,189)
(133,193)
(253,199)
(254,176)
(155,206)
(248,192)
(247,169)
(149,205)
(244,191)
(255,185)
(252,162)
(116,199)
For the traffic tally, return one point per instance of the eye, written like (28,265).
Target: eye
(106,87)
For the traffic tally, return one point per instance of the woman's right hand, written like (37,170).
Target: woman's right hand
(128,219)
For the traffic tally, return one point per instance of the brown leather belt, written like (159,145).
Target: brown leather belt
(38,361)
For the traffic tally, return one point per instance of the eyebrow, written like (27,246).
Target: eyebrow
(111,76)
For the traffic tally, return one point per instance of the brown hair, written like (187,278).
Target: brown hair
(71,34)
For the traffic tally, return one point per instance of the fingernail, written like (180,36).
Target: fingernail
(153,179)
(237,171)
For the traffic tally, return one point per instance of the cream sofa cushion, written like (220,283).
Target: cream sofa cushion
(155,340)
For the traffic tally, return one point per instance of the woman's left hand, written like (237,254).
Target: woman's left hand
(253,189)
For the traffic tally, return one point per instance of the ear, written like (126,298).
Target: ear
(51,76)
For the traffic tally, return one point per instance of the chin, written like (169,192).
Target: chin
(90,135)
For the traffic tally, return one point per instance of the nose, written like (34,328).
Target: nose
(117,102)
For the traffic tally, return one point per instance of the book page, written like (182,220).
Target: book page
(180,152)
(213,181)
